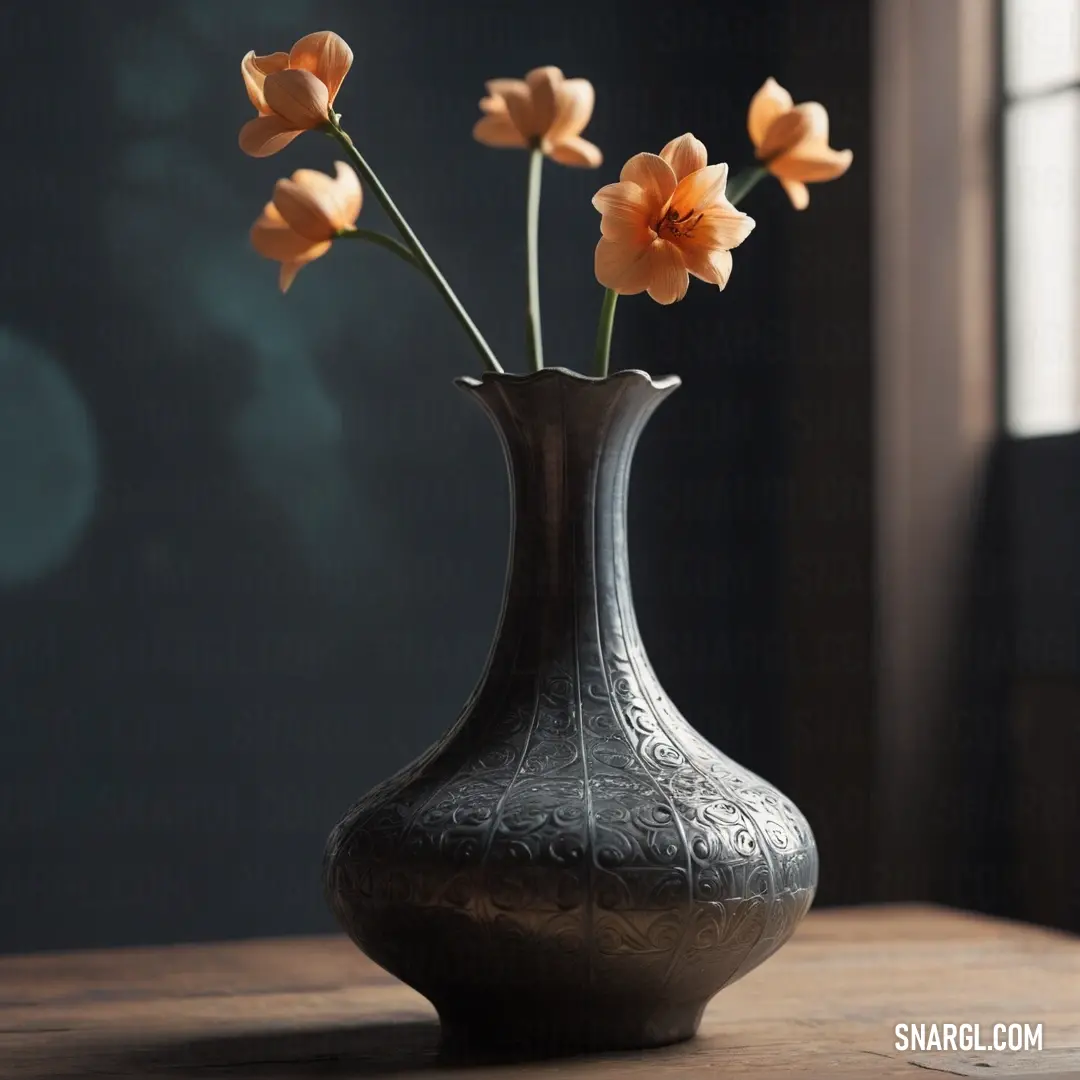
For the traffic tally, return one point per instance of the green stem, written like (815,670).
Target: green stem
(603,332)
(532,243)
(741,185)
(414,245)
(383,241)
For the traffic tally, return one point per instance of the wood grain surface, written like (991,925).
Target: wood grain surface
(825,1006)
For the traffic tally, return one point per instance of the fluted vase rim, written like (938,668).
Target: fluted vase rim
(473,382)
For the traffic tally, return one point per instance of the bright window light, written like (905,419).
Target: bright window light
(1042,216)
(1042,44)
(1042,264)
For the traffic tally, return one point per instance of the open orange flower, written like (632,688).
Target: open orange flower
(292,91)
(544,109)
(666,218)
(792,141)
(305,215)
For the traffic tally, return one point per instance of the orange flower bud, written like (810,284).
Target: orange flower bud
(544,108)
(292,92)
(307,212)
(792,141)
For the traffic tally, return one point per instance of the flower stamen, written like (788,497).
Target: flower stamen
(674,223)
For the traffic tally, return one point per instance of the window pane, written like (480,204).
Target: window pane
(1042,43)
(1042,264)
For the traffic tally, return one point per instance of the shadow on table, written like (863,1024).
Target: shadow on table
(383,1049)
(371,1050)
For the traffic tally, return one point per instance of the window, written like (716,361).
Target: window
(1042,216)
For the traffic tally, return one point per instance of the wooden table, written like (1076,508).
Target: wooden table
(825,1006)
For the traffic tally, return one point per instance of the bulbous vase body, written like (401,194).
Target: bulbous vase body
(572,866)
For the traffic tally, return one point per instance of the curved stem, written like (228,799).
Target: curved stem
(603,332)
(414,245)
(383,241)
(532,243)
(742,184)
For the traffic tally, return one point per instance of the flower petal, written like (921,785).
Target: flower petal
(622,266)
(771,101)
(266,135)
(797,193)
(289,270)
(494,106)
(626,212)
(306,204)
(653,175)
(349,195)
(255,69)
(517,97)
(272,237)
(543,84)
(797,146)
(574,150)
(716,225)
(816,120)
(723,227)
(502,87)
(685,155)
(497,129)
(701,189)
(704,194)
(785,133)
(299,97)
(811,163)
(709,264)
(287,274)
(317,205)
(327,56)
(628,269)
(668,279)
(574,101)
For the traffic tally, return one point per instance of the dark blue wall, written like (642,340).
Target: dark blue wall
(252,547)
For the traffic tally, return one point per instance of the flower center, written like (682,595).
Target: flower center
(678,225)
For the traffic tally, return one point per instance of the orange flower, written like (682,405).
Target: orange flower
(792,141)
(292,91)
(306,213)
(667,218)
(544,109)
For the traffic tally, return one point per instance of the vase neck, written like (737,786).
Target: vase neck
(569,442)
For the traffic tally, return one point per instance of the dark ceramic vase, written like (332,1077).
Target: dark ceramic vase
(572,866)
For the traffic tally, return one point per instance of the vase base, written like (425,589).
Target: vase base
(542,1030)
